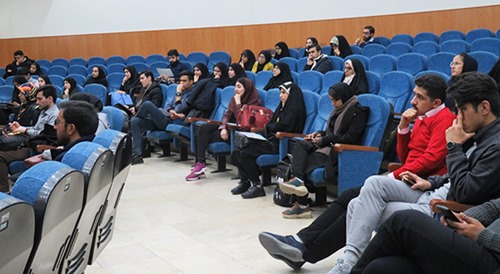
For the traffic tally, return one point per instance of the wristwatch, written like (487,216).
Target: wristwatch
(450,145)
(178,94)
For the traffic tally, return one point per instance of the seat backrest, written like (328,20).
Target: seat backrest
(80,79)
(17,231)
(262,96)
(154,66)
(396,87)
(325,108)
(384,41)
(134,59)
(96,164)
(272,99)
(139,66)
(311,102)
(337,63)
(115,81)
(454,46)
(364,60)
(373,82)
(425,36)
(2,81)
(451,35)
(96,61)
(115,59)
(155,58)
(311,80)
(262,78)
(402,38)
(60,62)
(398,48)
(116,68)
(103,67)
(169,94)
(294,53)
(197,57)
(301,63)
(56,80)
(373,49)
(426,48)
(356,50)
(445,77)
(485,60)
(97,90)
(76,61)
(251,75)
(291,62)
(382,63)
(486,44)
(440,62)
(77,69)
(218,56)
(56,193)
(6,93)
(330,78)
(58,70)
(44,63)
(380,113)
(118,118)
(475,34)
(295,76)
(225,99)
(412,63)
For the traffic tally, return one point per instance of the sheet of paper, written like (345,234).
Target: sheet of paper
(165,72)
(252,135)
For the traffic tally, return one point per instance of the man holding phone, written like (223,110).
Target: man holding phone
(411,242)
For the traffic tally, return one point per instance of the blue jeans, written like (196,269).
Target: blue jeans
(148,117)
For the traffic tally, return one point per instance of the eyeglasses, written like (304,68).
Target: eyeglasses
(366,32)
(455,64)
(347,68)
(56,121)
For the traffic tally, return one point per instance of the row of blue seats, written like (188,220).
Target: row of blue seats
(61,215)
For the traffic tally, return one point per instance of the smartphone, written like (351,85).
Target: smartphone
(409,181)
(447,213)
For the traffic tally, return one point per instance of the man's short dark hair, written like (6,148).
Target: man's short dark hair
(316,46)
(173,52)
(370,28)
(81,114)
(147,73)
(434,85)
(24,71)
(18,52)
(48,91)
(187,73)
(474,88)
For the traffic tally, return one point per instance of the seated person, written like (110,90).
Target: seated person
(97,103)
(151,117)
(317,61)
(28,112)
(175,65)
(346,125)
(355,76)
(42,132)
(422,151)
(309,42)
(281,50)
(43,80)
(150,91)
(411,242)
(340,46)
(289,116)
(131,84)
(368,37)
(27,74)
(70,88)
(35,69)
(235,72)
(21,60)
(200,72)
(247,59)
(10,70)
(461,63)
(281,75)
(244,94)
(98,77)
(495,73)
(263,62)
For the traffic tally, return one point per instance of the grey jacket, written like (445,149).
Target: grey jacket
(489,215)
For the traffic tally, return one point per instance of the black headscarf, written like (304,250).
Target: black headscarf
(495,73)
(251,59)
(239,72)
(38,69)
(224,78)
(11,70)
(284,50)
(284,76)
(133,81)
(470,64)
(15,93)
(359,83)
(46,79)
(100,79)
(344,47)
(73,89)
(87,97)
(314,42)
(291,116)
(268,57)
(340,91)
(204,70)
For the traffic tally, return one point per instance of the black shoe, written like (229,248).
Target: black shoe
(136,159)
(240,188)
(253,192)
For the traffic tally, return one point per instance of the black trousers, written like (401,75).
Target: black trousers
(306,159)
(327,233)
(247,168)
(412,242)
(204,135)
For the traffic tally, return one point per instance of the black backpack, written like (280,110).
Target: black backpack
(283,174)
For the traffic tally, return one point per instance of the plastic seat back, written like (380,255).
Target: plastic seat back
(373,49)
(396,87)
(454,46)
(397,49)
(451,35)
(402,38)
(426,48)
(412,63)
(382,63)
(311,80)
(440,62)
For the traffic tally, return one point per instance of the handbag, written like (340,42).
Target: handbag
(253,116)
(12,141)
(244,139)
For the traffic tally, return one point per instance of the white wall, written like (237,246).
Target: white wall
(32,18)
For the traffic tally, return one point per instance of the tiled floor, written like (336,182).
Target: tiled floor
(168,225)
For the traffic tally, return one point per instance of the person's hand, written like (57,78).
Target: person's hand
(310,61)
(120,92)
(66,91)
(312,136)
(456,132)
(336,51)
(180,88)
(132,110)
(181,115)
(468,226)
(357,41)
(196,78)
(317,139)
(420,184)
(242,64)
(224,135)
(407,117)
(125,78)
(237,98)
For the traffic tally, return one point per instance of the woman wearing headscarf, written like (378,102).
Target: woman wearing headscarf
(309,42)
(289,116)
(11,70)
(235,72)
(130,82)
(17,82)
(200,72)
(43,80)
(69,88)
(35,69)
(345,125)
(245,93)
(28,111)
(98,77)
(263,62)
(247,59)
(281,75)
(340,46)
(355,76)
(461,63)
(281,50)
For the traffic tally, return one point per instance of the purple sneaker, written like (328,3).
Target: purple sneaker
(193,177)
(199,168)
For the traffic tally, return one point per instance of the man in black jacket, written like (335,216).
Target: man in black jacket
(317,61)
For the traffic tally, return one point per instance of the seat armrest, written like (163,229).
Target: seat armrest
(257,129)
(342,147)
(452,205)
(41,148)
(393,166)
(280,135)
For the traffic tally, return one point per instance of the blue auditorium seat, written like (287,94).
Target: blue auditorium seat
(396,87)
(197,57)
(402,38)
(365,60)
(373,82)
(139,66)
(262,78)
(291,62)
(384,41)
(311,80)
(485,60)
(398,48)
(118,118)
(77,69)
(425,36)
(116,68)
(295,76)
(96,61)
(58,70)
(251,75)
(294,53)
(451,35)
(373,49)
(412,63)
(2,81)
(60,62)
(382,63)
(438,73)
(77,61)
(426,48)
(6,93)
(218,56)
(44,63)
(356,50)
(475,34)
(115,81)
(300,65)
(80,79)
(155,58)
(90,68)
(97,90)
(56,80)
(330,78)
(154,66)
(454,46)
(337,63)
(115,59)
(134,59)
(486,44)
(441,62)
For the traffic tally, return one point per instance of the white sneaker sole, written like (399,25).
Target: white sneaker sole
(275,246)
(303,215)
(201,171)
(295,190)
(200,176)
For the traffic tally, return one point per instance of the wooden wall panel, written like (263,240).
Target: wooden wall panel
(256,37)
